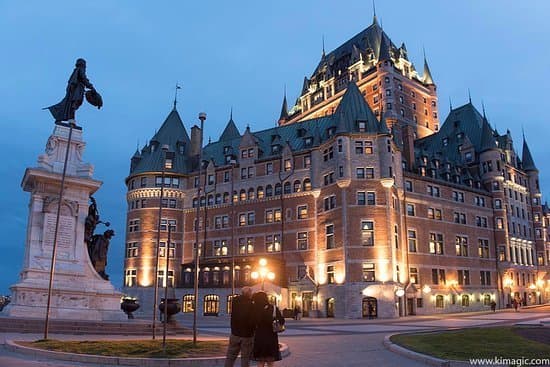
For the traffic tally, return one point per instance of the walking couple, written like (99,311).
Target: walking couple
(252,330)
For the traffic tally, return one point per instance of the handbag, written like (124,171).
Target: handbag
(278,327)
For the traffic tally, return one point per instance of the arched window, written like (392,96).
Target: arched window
(487,300)
(278,189)
(243,195)
(260,192)
(195,202)
(218,198)
(465,300)
(307,184)
(235,197)
(269,190)
(203,201)
(297,186)
(225,197)
(210,199)
(188,303)
(251,193)
(287,188)
(211,305)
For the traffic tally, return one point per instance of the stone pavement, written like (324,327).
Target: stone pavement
(322,342)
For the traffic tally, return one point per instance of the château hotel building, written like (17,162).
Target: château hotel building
(362,202)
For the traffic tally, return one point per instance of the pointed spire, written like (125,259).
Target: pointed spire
(488,141)
(527,158)
(323,55)
(374,19)
(427,74)
(284,109)
(305,86)
(450,104)
(231,114)
(469,96)
(483,109)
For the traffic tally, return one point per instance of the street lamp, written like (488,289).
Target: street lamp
(263,272)
(202,118)
(165,148)
(233,163)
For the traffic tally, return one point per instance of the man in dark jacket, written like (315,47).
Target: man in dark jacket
(242,329)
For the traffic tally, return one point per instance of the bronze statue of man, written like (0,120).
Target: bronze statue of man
(74,95)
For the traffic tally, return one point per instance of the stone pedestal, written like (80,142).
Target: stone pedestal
(78,291)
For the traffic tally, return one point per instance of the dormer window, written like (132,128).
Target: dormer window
(308,141)
(226,149)
(362,126)
(445,142)
(436,163)
(301,132)
(468,157)
(275,148)
(331,131)
(460,135)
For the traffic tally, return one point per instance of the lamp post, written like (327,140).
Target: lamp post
(167,255)
(263,272)
(72,125)
(202,118)
(165,149)
(233,162)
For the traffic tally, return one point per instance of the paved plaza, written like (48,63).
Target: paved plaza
(320,342)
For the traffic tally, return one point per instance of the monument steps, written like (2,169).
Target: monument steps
(21,325)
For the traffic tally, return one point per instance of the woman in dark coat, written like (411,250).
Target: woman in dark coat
(266,342)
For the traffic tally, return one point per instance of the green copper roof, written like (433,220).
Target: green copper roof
(353,108)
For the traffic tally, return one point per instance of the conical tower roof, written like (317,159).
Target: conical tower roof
(527,158)
(427,74)
(353,108)
(230,131)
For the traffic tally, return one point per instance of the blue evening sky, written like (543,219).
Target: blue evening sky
(237,54)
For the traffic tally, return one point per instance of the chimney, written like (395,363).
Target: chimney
(195,141)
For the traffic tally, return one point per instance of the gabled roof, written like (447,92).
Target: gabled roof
(527,158)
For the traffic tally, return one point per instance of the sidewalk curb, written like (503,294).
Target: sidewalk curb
(429,360)
(125,361)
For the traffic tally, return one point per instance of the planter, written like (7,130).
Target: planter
(129,305)
(173,308)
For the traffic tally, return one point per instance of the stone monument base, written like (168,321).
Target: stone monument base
(78,291)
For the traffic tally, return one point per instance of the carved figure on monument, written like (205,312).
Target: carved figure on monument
(74,95)
(92,221)
(99,249)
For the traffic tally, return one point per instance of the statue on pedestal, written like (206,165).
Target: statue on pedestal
(74,95)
